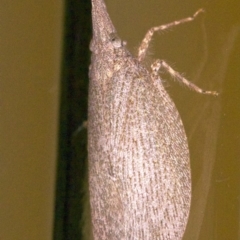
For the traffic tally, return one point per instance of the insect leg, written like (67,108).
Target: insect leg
(142,50)
(158,64)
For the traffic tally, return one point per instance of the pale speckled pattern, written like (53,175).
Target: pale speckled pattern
(139,170)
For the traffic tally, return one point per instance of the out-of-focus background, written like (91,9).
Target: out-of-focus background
(43,68)
(30,58)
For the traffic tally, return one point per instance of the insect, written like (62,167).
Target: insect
(139,169)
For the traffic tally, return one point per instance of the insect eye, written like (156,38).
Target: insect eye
(116,41)
(113,36)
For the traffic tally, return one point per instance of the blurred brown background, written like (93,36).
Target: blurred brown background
(30,57)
